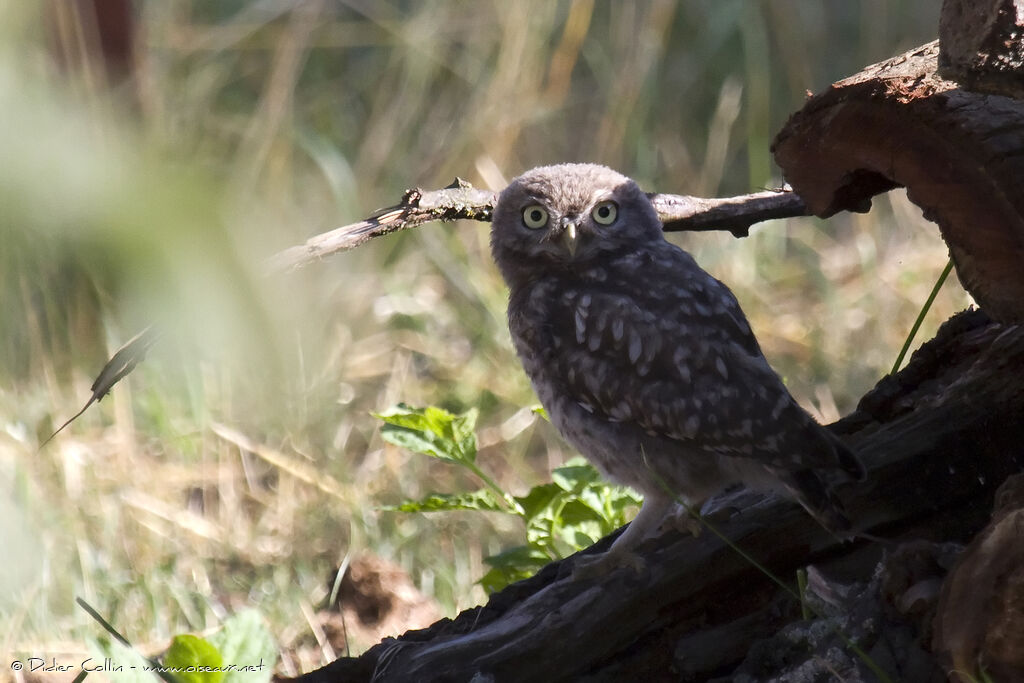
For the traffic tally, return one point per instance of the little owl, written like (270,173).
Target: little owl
(643,361)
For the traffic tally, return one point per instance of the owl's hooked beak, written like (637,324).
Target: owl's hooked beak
(569,237)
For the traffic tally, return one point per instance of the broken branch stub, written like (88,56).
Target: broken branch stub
(959,154)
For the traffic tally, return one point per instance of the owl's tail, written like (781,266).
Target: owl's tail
(848,462)
(812,491)
(821,503)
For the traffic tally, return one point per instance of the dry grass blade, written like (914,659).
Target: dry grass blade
(182,519)
(326,650)
(299,470)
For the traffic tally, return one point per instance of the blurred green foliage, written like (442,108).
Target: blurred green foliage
(241,127)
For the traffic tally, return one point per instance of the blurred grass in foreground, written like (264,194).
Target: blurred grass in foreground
(247,127)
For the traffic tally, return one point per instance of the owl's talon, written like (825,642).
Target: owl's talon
(596,566)
(687,523)
(683,521)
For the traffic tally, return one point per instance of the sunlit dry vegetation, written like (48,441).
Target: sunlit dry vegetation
(239,465)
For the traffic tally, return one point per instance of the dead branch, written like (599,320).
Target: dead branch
(460,200)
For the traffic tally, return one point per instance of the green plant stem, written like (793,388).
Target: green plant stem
(920,316)
(801,585)
(491,484)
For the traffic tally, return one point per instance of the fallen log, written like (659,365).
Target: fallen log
(938,439)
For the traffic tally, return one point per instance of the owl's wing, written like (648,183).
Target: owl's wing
(669,350)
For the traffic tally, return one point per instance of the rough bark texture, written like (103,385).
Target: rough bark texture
(981,46)
(938,438)
(980,616)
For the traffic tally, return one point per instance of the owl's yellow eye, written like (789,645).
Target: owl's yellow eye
(535,216)
(605,212)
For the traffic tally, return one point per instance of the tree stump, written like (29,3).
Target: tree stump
(959,153)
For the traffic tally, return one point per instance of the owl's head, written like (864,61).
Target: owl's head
(569,214)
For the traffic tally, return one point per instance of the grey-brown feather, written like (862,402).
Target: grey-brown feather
(645,362)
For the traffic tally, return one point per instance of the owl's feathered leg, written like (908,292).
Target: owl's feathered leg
(645,524)
(684,519)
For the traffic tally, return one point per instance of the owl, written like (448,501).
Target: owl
(644,362)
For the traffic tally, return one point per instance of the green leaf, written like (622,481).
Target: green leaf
(574,476)
(539,410)
(537,500)
(561,517)
(579,526)
(247,647)
(509,566)
(431,431)
(622,498)
(484,499)
(192,659)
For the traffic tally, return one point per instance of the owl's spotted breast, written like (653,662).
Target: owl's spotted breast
(647,346)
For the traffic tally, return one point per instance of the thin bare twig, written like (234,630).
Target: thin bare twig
(460,200)
(735,214)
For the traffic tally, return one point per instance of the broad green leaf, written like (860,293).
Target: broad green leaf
(247,647)
(537,499)
(579,526)
(426,443)
(615,505)
(598,499)
(192,659)
(495,579)
(462,427)
(622,499)
(509,566)
(542,525)
(581,536)
(574,512)
(484,499)
(518,556)
(573,476)
(431,431)
(538,534)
